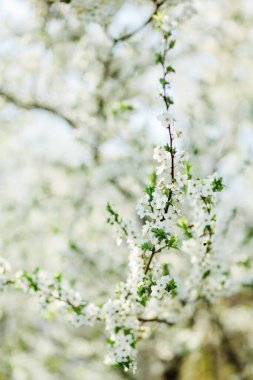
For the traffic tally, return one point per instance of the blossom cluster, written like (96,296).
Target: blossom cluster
(53,291)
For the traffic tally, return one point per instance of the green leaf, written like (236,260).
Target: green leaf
(217,184)
(32,283)
(124,365)
(208,230)
(173,242)
(77,309)
(74,247)
(165,269)
(142,293)
(115,218)
(159,58)
(128,331)
(147,246)
(159,233)
(169,100)
(166,192)
(184,224)
(208,202)
(152,178)
(171,286)
(58,277)
(170,69)
(169,149)
(166,34)
(206,274)
(149,191)
(110,341)
(172,43)
(163,81)
(187,169)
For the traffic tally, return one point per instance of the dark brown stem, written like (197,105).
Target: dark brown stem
(172,154)
(158,320)
(170,146)
(150,260)
(167,106)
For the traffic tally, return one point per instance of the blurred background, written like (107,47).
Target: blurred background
(78,124)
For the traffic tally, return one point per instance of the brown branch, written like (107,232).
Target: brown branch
(230,351)
(135,31)
(158,320)
(37,106)
(170,146)
(150,260)
(167,106)
(127,194)
(153,252)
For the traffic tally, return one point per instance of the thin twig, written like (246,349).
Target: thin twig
(135,31)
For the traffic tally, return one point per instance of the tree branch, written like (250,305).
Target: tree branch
(150,260)
(135,31)
(37,106)
(230,351)
(158,320)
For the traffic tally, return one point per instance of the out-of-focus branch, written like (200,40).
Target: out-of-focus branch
(36,106)
(230,351)
(126,36)
(157,320)
(127,194)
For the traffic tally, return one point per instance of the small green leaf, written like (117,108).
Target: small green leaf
(169,100)
(165,269)
(170,69)
(159,58)
(159,233)
(171,286)
(163,81)
(152,178)
(187,169)
(206,274)
(184,224)
(149,191)
(110,341)
(208,202)
(173,242)
(147,246)
(217,184)
(172,43)
(128,331)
